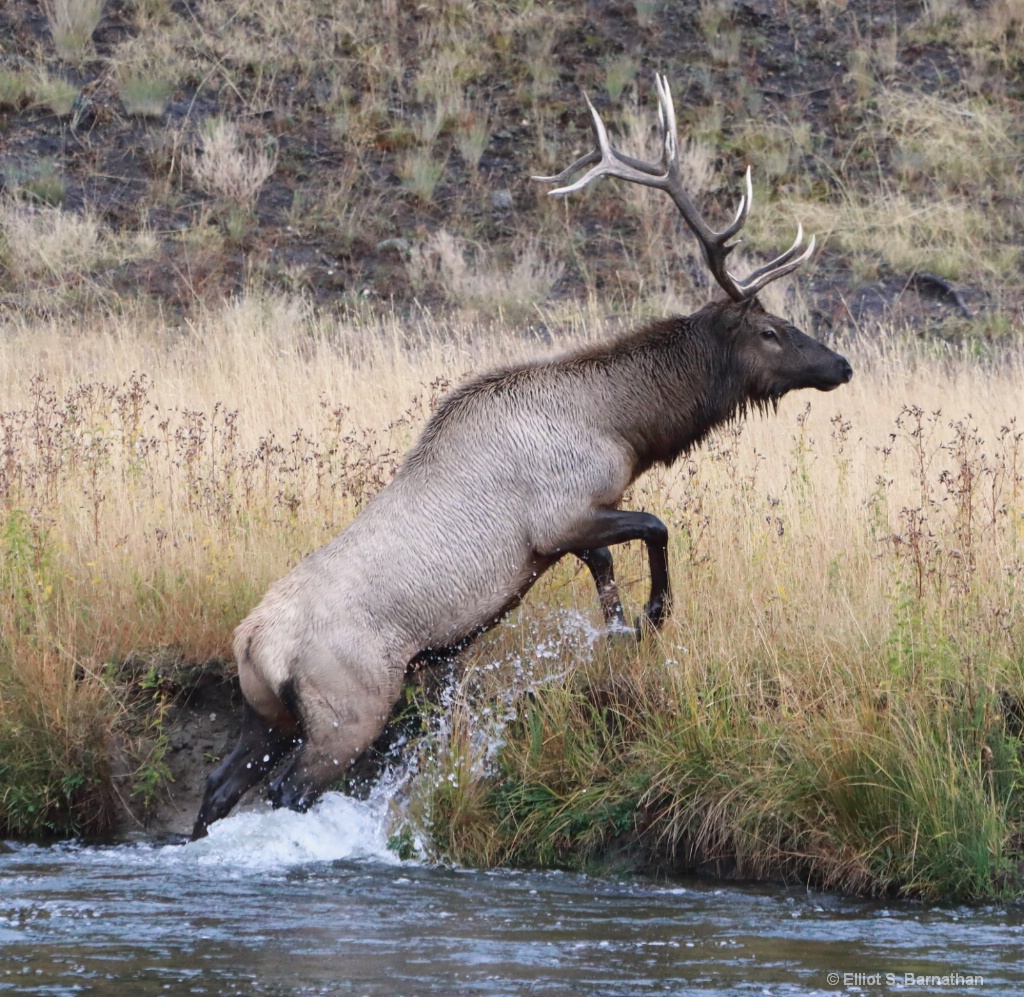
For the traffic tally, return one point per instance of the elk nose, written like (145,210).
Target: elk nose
(845,371)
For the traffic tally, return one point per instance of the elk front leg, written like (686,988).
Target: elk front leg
(602,567)
(614,526)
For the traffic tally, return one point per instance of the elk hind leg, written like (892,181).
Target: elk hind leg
(338,727)
(260,747)
(602,567)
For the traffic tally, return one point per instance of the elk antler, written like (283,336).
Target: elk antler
(715,246)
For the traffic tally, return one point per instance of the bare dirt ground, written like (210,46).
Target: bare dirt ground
(200,724)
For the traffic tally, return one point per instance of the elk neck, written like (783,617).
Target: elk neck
(667,385)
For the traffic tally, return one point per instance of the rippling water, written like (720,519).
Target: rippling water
(278,903)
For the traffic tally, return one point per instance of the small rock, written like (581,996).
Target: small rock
(502,199)
(402,246)
(180,739)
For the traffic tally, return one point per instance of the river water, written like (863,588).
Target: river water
(279,903)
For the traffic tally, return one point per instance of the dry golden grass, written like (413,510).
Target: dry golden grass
(147,423)
(44,244)
(52,255)
(228,167)
(154,480)
(943,196)
(471,278)
(162,468)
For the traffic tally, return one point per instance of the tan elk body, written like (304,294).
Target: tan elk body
(516,468)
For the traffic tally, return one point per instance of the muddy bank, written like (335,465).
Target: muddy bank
(199,728)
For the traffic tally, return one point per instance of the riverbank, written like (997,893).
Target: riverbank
(836,697)
(241,257)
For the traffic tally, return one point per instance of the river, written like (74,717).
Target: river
(278,903)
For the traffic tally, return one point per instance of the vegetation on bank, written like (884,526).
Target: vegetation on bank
(837,697)
(243,252)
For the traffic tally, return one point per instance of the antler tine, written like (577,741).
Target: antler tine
(667,119)
(782,259)
(591,157)
(746,200)
(609,161)
(781,265)
(715,246)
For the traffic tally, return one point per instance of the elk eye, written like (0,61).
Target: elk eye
(768,334)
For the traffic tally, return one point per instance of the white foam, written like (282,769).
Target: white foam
(337,827)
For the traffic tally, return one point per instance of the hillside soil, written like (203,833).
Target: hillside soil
(793,61)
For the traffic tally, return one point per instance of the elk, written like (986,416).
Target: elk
(515,469)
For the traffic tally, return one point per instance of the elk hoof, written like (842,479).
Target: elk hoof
(651,620)
(619,631)
(283,792)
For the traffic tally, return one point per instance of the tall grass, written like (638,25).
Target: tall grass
(72,23)
(227,168)
(153,481)
(836,696)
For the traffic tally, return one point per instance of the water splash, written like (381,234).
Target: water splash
(344,828)
(336,828)
(485,700)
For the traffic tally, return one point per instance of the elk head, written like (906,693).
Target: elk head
(776,355)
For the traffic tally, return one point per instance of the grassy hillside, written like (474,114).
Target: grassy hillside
(182,151)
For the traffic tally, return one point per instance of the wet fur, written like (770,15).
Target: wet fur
(515,469)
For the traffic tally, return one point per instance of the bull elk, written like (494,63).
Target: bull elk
(516,468)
